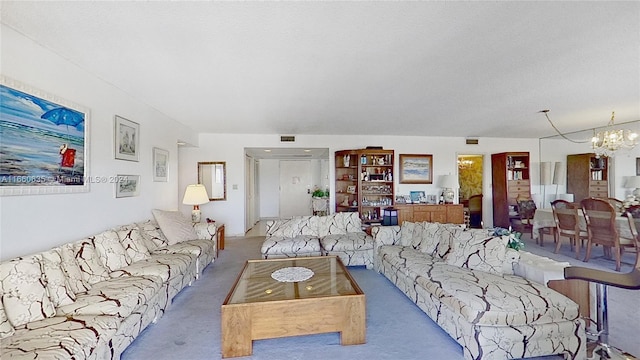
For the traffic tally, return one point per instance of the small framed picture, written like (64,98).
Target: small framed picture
(417,197)
(127,139)
(416,169)
(351,189)
(638,166)
(127,186)
(160,164)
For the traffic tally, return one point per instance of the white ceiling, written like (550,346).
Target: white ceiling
(473,69)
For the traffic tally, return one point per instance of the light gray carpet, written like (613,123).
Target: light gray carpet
(396,328)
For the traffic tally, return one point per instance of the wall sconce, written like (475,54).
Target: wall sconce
(195,195)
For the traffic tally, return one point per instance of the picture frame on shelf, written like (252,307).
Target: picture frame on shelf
(127,186)
(416,169)
(45,142)
(160,164)
(351,189)
(417,197)
(126,139)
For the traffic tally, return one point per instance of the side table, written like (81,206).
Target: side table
(550,273)
(220,235)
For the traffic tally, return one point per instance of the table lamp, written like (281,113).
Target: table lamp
(633,182)
(195,195)
(448,183)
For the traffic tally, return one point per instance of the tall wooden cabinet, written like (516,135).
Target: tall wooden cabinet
(587,176)
(364,182)
(511,178)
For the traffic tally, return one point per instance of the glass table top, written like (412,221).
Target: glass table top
(328,277)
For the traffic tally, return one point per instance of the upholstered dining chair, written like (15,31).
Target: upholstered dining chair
(633,214)
(600,216)
(475,211)
(526,211)
(567,218)
(617,204)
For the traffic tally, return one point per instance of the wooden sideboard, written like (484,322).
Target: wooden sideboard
(447,213)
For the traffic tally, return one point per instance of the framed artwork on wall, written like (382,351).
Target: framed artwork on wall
(45,142)
(416,169)
(127,139)
(127,186)
(160,164)
(637,166)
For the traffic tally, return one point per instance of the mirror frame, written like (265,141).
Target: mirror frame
(224,178)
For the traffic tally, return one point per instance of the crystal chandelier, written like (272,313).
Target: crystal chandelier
(607,142)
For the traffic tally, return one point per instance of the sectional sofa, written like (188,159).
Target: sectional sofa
(89,299)
(337,234)
(463,280)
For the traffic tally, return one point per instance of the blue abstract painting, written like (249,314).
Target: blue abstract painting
(42,141)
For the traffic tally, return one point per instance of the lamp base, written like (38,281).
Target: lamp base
(449,194)
(195,215)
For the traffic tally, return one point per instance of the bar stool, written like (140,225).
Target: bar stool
(603,279)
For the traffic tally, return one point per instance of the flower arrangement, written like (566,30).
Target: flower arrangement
(515,241)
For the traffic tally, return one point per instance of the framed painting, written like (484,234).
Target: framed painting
(127,186)
(45,142)
(160,164)
(127,139)
(637,166)
(416,169)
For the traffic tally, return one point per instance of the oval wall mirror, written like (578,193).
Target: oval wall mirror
(212,175)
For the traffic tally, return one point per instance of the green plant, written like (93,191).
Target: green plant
(515,237)
(318,193)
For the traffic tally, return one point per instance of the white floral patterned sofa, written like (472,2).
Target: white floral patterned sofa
(463,280)
(89,299)
(337,234)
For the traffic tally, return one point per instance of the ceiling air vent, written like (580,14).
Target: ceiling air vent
(472,141)
(287,138)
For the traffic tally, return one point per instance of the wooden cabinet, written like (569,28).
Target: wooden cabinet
(587,176)
(364,182)
(446,213)
(511,178)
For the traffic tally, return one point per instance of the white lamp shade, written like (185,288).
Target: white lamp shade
(195,194)
(632,182)
(558,174)
(449,181)
(545,173)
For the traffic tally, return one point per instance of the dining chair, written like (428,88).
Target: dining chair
(475,211)
(526,211)
(567,219)
(633,215)
(600,216)
(617,204)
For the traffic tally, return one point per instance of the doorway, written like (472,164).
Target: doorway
(470,175)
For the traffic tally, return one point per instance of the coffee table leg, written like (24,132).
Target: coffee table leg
(236,332)
(355,328)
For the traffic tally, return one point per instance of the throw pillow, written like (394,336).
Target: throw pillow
(58,286)
(134,245)
(6,329)
(406,233)
(175,226)
(111,251)
(72,269)
(152,235)
(476,250)
(89,261)
(25,296)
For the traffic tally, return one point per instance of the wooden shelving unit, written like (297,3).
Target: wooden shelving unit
(364,183)
(511,178)
(587,176)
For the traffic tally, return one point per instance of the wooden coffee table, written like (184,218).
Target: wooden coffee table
(261,307)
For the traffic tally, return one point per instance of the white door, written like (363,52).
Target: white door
(295,186)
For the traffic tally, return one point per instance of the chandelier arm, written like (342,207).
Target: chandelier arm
(558,131)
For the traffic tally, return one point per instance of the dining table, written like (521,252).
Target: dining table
(543,218)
